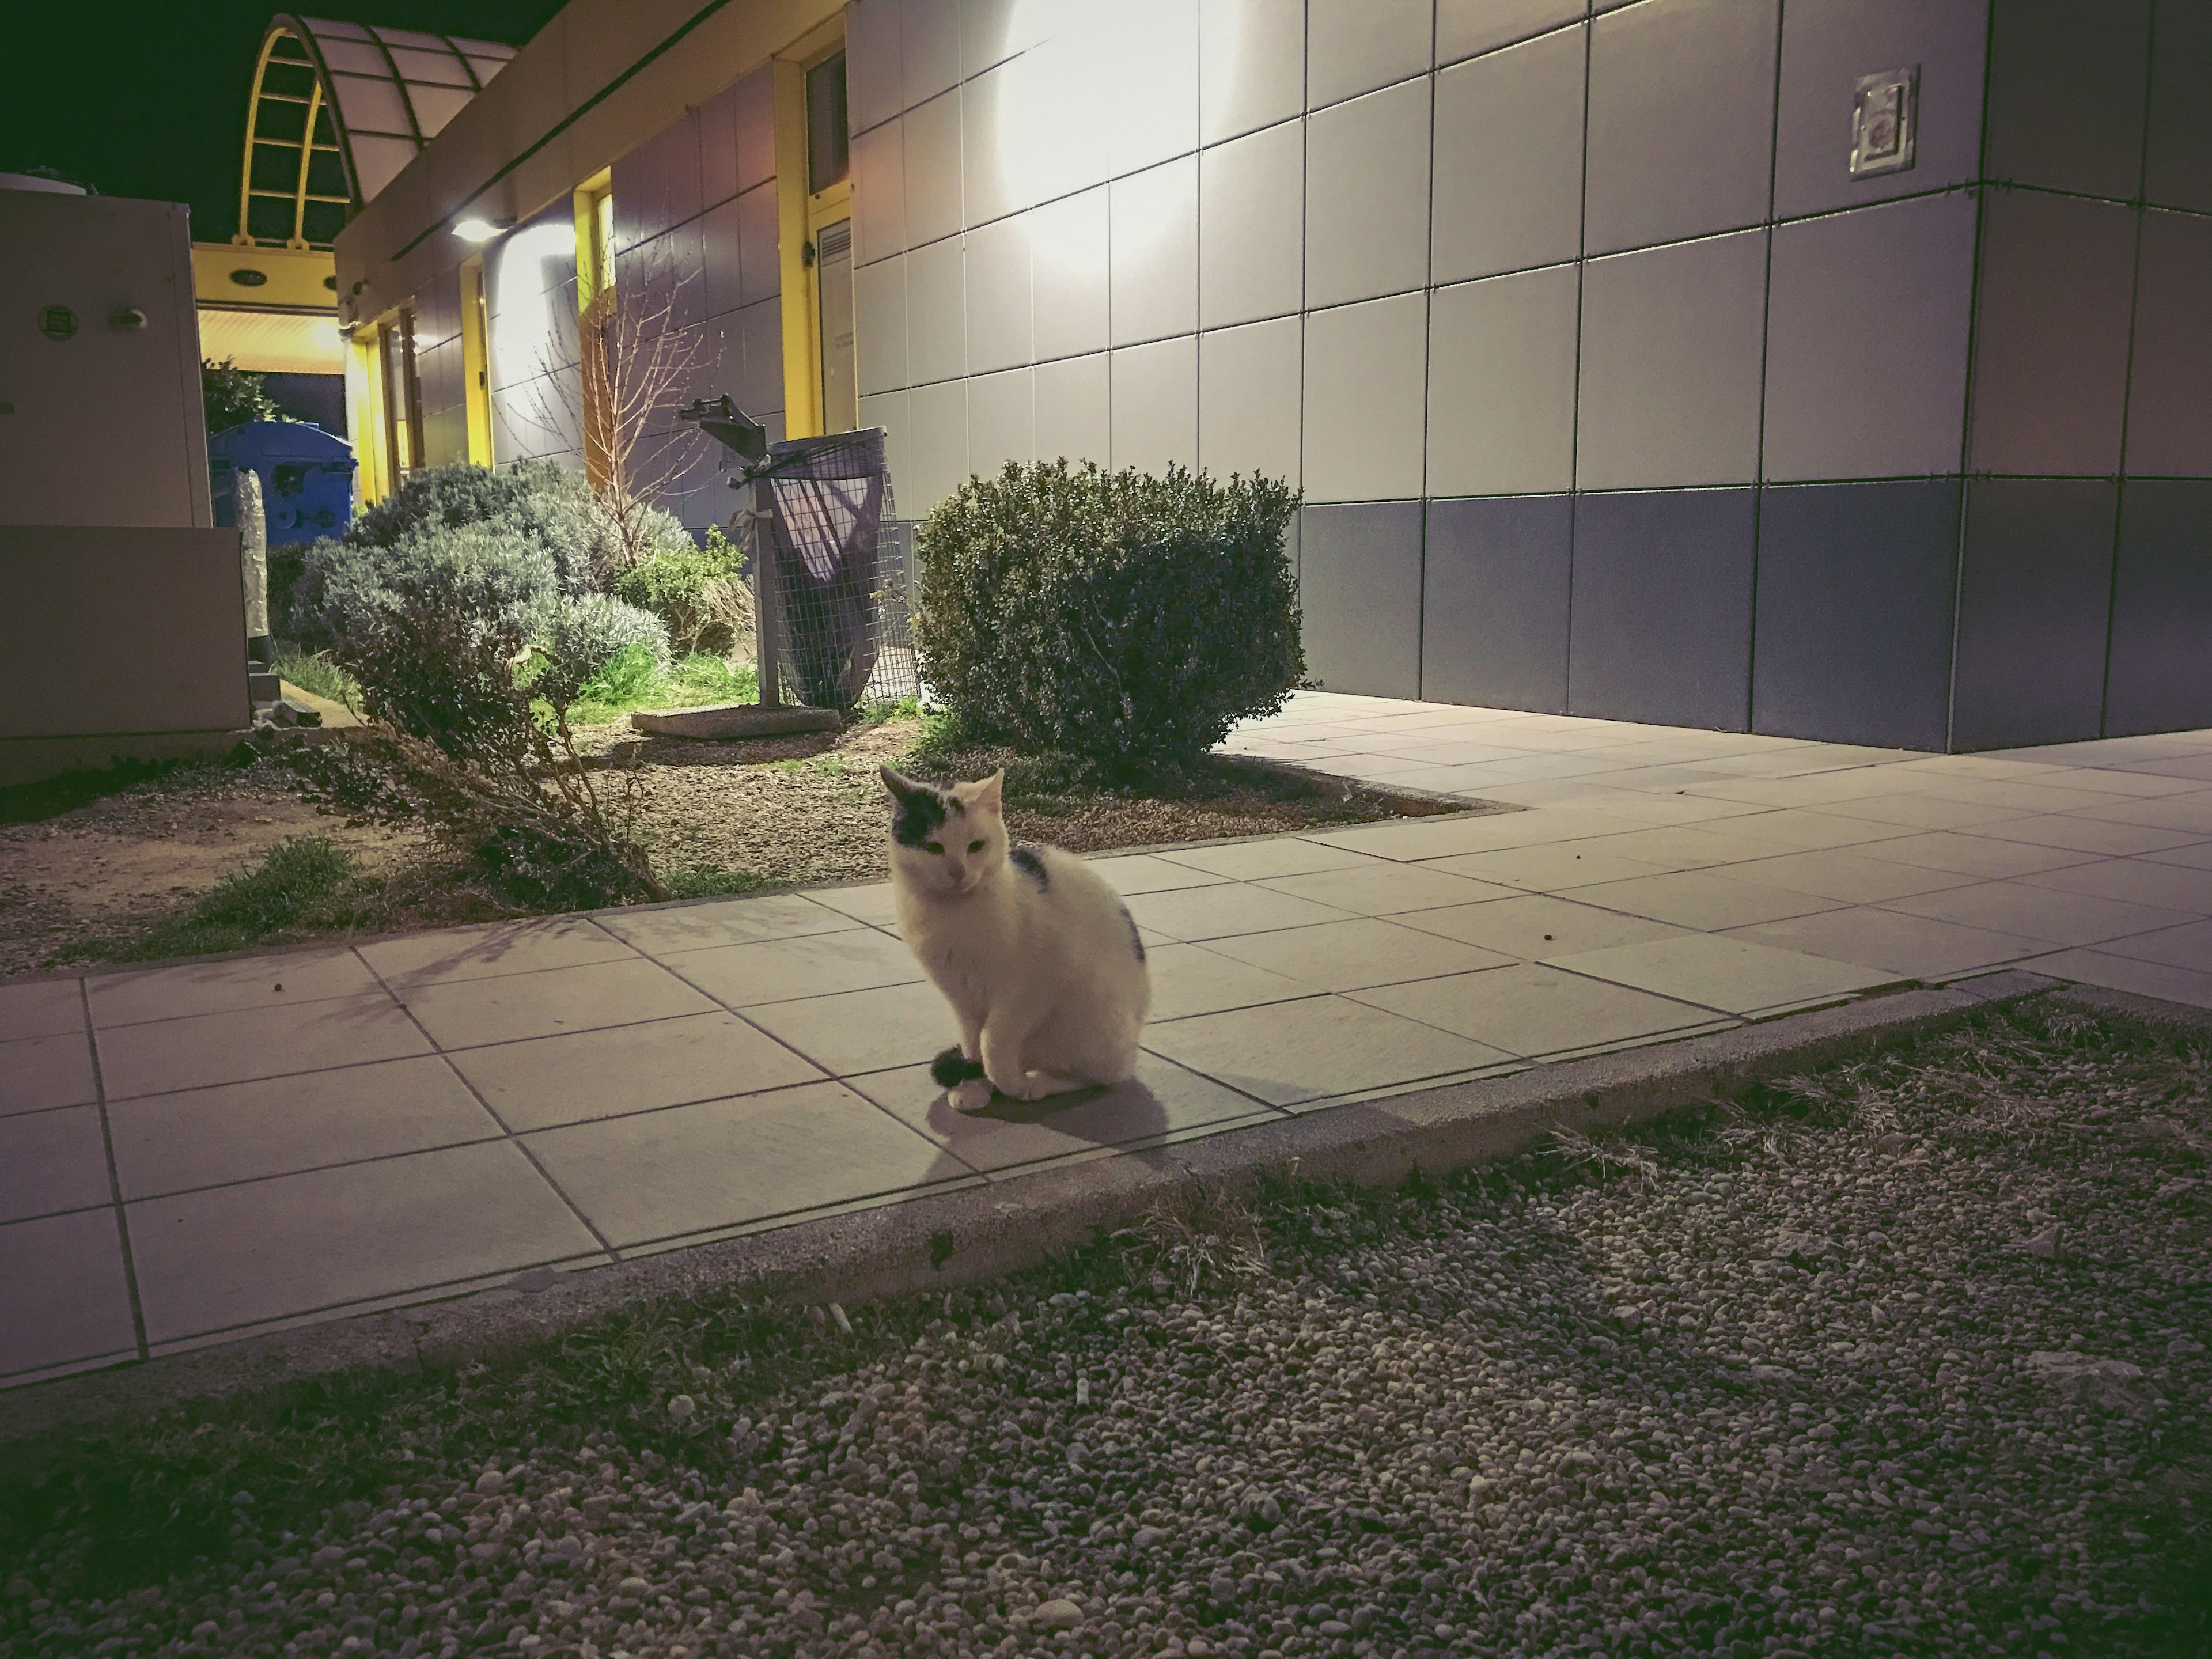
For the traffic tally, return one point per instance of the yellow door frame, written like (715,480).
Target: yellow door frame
(475,361)
(799,214)
(365,382)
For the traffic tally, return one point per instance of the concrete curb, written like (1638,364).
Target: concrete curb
(949,1238)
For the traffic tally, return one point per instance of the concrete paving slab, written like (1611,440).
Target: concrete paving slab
(2161,980)
(1352,955)
(543,1082)
(721,1163)
(162,1056)
(1289,1052)
(2189,945)
(783,969)
(864,1031)
(498,948)
(51,1008)
(1195,913)
(207,988)
(1844,876)
(1706,900)
(1539,1012)
(461,1013)
(237,1131)
(1198,978)
(1380,889)
(1536,927)
(1256,860)
(1908,947)
(2038,912)
(225,1257)
(65,1297)
(872,904)
(52,1161)
(1546,869)
(2090,835)
(2137,881)
(38,1073)
(711,922)
(1143,872)
(1162,1099)
(1735,976)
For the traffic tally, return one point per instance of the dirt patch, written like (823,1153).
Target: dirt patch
(102,869)
(83,878)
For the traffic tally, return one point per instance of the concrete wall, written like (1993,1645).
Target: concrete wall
(166,604)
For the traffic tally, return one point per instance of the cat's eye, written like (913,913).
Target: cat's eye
(936,847)
(974,846)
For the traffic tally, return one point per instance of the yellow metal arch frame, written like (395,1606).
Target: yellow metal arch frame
(308,145)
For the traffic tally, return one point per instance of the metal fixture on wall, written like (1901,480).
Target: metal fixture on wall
(1885,122)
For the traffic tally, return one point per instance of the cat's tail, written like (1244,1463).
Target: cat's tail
(952,1068)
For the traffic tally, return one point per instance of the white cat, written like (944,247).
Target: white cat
(1039,957)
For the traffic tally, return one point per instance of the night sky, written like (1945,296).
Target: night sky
(150,98)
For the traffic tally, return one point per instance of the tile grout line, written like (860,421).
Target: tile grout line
(114,1180)
(515,1140)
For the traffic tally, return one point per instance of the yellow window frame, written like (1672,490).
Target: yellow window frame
(801,213)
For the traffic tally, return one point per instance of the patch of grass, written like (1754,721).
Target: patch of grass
(711,881)
(295,885)
(621,687)
(311,671)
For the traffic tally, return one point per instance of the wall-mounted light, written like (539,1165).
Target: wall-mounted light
(476,230)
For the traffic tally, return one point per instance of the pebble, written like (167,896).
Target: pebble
(1059,1613)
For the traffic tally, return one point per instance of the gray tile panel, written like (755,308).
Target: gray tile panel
(2178,152)
(2066,86)
(2033,596)
(1494,617)
(1465,27)
(1667,162)
(1354,46)
(2050,345)
(1508,159)
(1367,196)
(1826,46)
(2160,675)
(1853,642)
(1502,384)
(1661,618)
(1866,341)
(1251,66)
(1360,587)
(1670,364)
(2170,380)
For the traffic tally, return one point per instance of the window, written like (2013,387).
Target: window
(828,148)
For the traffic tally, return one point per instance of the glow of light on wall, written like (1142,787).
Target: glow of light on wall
(527,278)
(1092,72)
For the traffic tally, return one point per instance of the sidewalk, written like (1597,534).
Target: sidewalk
(189,1155)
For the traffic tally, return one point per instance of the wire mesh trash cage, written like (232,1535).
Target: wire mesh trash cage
(841,572)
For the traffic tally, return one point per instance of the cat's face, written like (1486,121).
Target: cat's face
(945,841)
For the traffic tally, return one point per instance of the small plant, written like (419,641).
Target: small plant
(711,881)
(313,671)
(700,592)
(296,879)
(1125,618)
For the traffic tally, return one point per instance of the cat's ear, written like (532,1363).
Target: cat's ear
(985,791)
(900,786)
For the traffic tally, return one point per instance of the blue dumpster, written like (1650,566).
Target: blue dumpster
(306,478)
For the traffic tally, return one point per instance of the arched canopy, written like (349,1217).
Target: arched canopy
(337,110)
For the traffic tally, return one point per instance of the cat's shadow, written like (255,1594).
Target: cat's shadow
(1107,1116)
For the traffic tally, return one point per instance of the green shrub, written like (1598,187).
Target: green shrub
(1125,618)
(311,670)
(586,637)
(546,505)
(699,592)
(234,395)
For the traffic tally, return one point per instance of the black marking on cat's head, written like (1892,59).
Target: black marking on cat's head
(1031,864)
(952,1068)
(1136,938)
(918,811)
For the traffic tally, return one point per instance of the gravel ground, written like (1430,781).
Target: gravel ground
(1906,1358)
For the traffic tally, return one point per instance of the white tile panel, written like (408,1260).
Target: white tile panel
(1502,384)
(1153,259)
(936,312)
(1248,399)
(937,445)
(1155,389)
(1001,420)
(1367,196)
(933,169)
(872,93)
(1073,409)
(1068,261)
(1251,65)
(880,192)
(1251,196)
(879,324)
(1363,400)
(999,295)
(929,48)
(1356,45)
(1508,159)
(994,121)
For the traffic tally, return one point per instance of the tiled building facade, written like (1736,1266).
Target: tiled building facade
(1612,387)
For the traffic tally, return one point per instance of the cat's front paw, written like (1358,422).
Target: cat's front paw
(973,1096)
